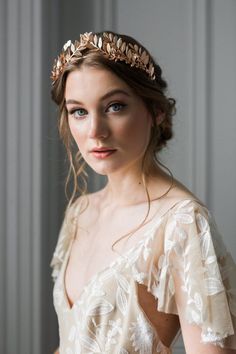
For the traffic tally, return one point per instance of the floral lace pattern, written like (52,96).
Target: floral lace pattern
(180,257)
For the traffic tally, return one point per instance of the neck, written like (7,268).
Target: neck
(127,188)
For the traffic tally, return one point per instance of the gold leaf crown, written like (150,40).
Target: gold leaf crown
(111,46)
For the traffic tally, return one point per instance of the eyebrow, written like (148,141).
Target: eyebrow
(107,95)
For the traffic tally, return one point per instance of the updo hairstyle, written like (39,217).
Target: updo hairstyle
(152,92)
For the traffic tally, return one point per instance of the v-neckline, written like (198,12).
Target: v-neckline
(104,269)
(147,234)
(71,308)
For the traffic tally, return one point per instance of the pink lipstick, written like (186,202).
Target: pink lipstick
(103,152)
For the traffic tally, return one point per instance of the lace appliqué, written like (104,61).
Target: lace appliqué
(141,336)
(187,263)
(199,267)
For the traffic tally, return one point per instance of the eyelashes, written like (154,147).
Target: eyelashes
(81,112)
(115,107)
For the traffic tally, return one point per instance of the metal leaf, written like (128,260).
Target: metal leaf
(146,60)
(59,64)
(129,54)
(100,43)
(108,48)
(119,43)
(95,39)
(143,55)
(123,47)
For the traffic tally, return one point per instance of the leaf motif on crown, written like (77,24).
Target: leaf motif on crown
(112,47)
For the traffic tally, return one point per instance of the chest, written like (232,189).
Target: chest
(76,279)
(91,249)
(90,253)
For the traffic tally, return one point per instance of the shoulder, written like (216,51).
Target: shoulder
(183,200)
(197,270)
(177,197)
(67,230)
(189,213)
(192,243)
(183,206)
(189,206)
(190,228)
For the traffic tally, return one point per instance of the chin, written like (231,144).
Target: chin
(103,171)
(104,168)
(112,166)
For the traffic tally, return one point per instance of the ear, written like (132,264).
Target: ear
(160,117)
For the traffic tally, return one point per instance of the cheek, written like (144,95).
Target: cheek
(137,129)
(76,133)
(124,130)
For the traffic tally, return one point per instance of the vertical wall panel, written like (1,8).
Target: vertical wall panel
(3,177)
(24,132)
(12,177)
(37,165)
(51,177)
(104,15)
(223,118)
(199,98)
(20,187)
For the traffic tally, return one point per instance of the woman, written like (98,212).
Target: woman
(169,269)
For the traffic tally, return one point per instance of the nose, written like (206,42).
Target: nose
(98,127)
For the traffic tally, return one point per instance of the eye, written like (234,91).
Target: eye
(78,112)
(116,107)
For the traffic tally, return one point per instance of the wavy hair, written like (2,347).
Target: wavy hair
(152,92)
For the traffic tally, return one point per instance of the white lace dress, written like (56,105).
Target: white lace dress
(181,254)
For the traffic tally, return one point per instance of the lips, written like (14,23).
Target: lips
(102,152)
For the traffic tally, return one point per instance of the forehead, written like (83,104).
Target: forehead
(88,82)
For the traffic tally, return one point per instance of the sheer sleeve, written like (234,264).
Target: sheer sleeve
(195,277)
(67,231)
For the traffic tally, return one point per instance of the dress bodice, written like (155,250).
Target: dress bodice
(182,247)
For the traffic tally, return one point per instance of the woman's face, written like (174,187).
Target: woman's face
(108,121)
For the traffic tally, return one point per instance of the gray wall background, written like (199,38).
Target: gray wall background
(194,42)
